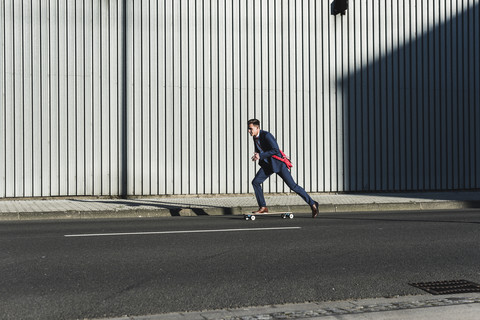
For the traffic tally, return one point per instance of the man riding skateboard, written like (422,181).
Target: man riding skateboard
(272,160)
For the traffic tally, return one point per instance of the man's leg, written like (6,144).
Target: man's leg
(261,176)
(288,179)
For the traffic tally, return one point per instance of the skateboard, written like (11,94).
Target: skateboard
(252,216)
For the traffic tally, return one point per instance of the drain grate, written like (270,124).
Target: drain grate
(448,287)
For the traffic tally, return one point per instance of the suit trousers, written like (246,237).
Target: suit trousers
(264,173)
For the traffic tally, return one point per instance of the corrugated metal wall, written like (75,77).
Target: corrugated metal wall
(152,97)
(61,92)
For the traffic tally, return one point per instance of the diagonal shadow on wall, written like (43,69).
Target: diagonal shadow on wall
(411,116)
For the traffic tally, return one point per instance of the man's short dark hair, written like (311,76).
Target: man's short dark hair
(255,122)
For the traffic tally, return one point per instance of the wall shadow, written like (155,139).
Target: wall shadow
(410,117)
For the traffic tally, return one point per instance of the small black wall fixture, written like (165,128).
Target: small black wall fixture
(339,6)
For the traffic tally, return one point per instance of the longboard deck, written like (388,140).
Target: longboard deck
(252,216)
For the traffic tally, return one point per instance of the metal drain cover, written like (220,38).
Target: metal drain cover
(448,287)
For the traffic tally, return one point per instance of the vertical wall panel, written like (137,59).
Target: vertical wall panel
(476,71)
(19,128)
(9,94)
(384,98)
(3,87)
(54,104)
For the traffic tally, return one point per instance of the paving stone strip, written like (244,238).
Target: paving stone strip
(318,310)
(354,309)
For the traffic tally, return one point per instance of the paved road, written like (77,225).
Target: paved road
(93,269)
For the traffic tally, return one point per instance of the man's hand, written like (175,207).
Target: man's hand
(256,157)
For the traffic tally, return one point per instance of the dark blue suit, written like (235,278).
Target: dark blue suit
(266,147)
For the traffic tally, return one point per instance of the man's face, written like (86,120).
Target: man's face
(253,130)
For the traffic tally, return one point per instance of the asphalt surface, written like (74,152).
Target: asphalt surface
(79,269)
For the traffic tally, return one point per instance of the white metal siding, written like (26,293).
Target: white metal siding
(152,97)
(60,98)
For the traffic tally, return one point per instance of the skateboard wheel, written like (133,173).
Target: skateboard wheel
(252,218)
(246,217)
(290,215)
(284,215)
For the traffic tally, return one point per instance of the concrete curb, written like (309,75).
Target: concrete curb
(232,211)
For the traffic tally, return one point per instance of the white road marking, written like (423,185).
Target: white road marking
(176,232)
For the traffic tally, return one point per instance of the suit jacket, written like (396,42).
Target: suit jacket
(269,147)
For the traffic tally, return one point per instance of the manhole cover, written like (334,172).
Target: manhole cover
(448,287)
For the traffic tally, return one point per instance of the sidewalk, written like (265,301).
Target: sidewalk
(424,307)
(92,208)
